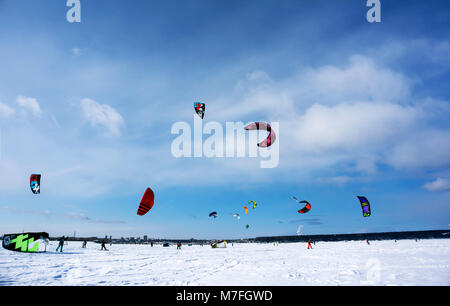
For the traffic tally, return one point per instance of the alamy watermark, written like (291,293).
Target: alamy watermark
(74,13)
(231,141)
(374,13)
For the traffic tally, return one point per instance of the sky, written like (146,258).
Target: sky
(361,109)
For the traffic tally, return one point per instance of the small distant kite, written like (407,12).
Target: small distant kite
(147,201)
(304,209)
(263,126)
(247,226)
(35,183)
(246,209)
(199,109)
(213,214)
(254,204)
(237,216)
(365,206)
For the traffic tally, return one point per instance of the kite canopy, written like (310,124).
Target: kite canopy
(263,126)
(304,209)
(246,209)
(199,109)
(237,216)
(26,242)
(365,206)
(35,183)
(213,214)
(254,204)
(147,202)
(247,226)
(219,244)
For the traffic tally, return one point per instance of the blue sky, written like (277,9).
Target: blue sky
(362,108)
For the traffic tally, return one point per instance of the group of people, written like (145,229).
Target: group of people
(61,244)
(62,239)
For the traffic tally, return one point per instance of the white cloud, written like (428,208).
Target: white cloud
(6,111)
(102,114)
(439,184)
(427,148)
(258,75)
(348,126)
(77,51)
(342,139)
(361,80)
(335,180)
(30,104)
(434,51)
(349,118)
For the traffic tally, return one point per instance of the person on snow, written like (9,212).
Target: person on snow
(60,244)
(104,246)
(84,244)
(309,244)
(179,246)
(367,240)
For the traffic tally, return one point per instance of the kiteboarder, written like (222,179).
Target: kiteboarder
(309,244)
(103,246)
(61,244)
(367,241)
(179,246)
(84,244)
(151,243)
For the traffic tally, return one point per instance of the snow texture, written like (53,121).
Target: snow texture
(405,262)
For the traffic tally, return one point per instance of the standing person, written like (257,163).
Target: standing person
(103,246)
(151,243)
(84,244)
(179,246)
(309,244)
(61,244)
(367,240)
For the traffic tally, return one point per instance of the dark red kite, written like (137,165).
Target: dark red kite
(148,199)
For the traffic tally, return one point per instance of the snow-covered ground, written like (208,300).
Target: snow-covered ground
(405,262)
